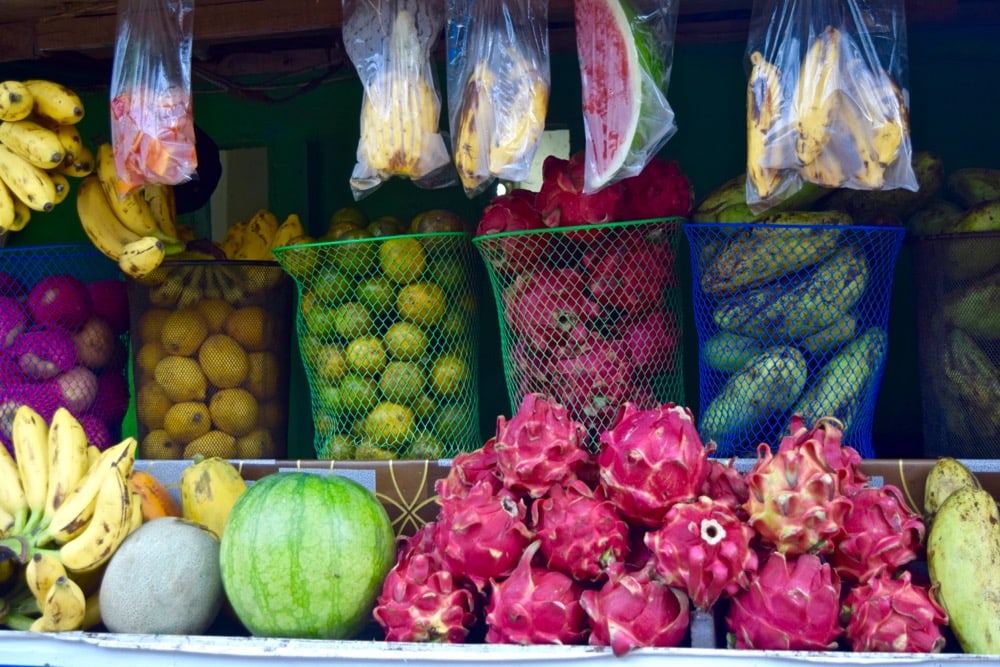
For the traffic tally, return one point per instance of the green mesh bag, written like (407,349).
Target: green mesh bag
(589,315)
(387,332)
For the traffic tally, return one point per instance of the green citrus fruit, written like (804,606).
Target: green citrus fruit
(402,259)
(358,393)
(405,341)
(378,294)
(337,447)
(426,445)
(355,252)
(455,425)
(402,381)
(330,286)
(352,319)
(349,216)
(422,303)
(449,376)
(386,225)
(389,424)
(366,355)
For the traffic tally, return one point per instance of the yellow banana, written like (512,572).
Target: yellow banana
(814,95)
(99,221)
(75,512)
(64,608)
(475,122)
(16,101)
(209,489)
(30,435)
(78,166)
(61,184)
(132,208)
(67,459)
(92,614)
(107,528)
(233,238)
(141,257)
(55,102)
(162,206)
(41,572)
(868,171)
(34,142)
(7,525)
(519,126)
(826,169)
(765,100)
(29,183)
(193,291)
(7,211)
(22,216)
(12,498)
(93,454)
(290,228)
(69,137)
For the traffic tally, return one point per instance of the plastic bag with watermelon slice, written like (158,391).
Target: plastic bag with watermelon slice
(498,85)
(625,49)
(827,98)
(152,121)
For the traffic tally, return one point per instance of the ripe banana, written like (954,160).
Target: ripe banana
(34,142)
(209,489)
(41,572)
(16,101)
(765,100)
(12,498)
(290,228)
(29,183)
(30,435)
(814,95)
(233,238)
(476,119)
(64,608)
(163,207)
(67,458)
(107,528)
(521,119)
(55,102)
(61,184)
(7,211)
(132,209)
(78,166)
(141,257)
(70,139)
(7,522)
(255,243)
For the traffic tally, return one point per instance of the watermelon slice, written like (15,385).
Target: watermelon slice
(624,76)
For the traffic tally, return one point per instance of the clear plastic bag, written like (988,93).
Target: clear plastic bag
(498,87)
(827,99)
(152,120)
(625,49)
(389,43)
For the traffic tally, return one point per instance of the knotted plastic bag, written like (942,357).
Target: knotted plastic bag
(152,120)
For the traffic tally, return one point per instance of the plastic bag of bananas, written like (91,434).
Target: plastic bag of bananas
(827,101)
(389,43)
(498,88)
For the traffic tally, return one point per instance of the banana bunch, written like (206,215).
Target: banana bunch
(401,109)
(500,120)
(65,507)
(840,123)
(40,147)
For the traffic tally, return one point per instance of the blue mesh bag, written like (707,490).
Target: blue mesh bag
(791,319)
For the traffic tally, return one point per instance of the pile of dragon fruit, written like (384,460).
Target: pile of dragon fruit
(540,541)
(585,307)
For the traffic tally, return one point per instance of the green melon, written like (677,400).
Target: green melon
(304,555)
(627,118)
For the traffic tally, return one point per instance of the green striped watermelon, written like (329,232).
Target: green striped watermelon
(624,76)
(304,555)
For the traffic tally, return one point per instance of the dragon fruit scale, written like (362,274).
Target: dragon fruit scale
(793,603)
(660,190)
(651,342)
(579,530)
(636,609)
(539,446)
(422,602)
(630,277)
(549,310)
(725,483)
(483,533)
(795,499)
(562,202)
(535,605)
(881,534)
(467,468)
(892,614)
(703,548)
(513,212)
(594,383)
(843,459)
(651,459)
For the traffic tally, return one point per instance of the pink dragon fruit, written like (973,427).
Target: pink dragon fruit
(580,531)
(482,533)
(793,603)
(513,212)
(594,383)
(535,605)
(420,601)
(561,200)
(629,277)
(846,461)
(651,341)
(635,609)
(530,367)
(539,446)
(703,548)
(468,468)
(726,484)
(889,614)
(881,534)
(796,503)
(549,310)
(660,190)
(651,459)
(14,321)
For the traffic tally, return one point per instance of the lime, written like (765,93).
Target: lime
(366,355)
(402,382)
(352,319)
(424,406)
(386,225)
(422,303)
(402,259)
(329,363)
(378,294)
(450,274)
(337,447)
(426,445)
(454,325)
(436,220)
(355,252)
(357,393)
(348,217)
(405,341)
(455,425)
(449,375)
(328,398)
(330,286)
(320,321)
(367,450)
(300,261)
(389,424)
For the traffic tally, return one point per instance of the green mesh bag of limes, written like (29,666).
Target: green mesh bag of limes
(387,332)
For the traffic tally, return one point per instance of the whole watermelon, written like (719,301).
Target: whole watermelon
(304,555)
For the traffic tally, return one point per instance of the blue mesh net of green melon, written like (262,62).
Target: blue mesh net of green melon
(63,338)
(387,330)
(791,319)
(590,315)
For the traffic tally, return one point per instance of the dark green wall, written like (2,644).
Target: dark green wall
(312,139)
